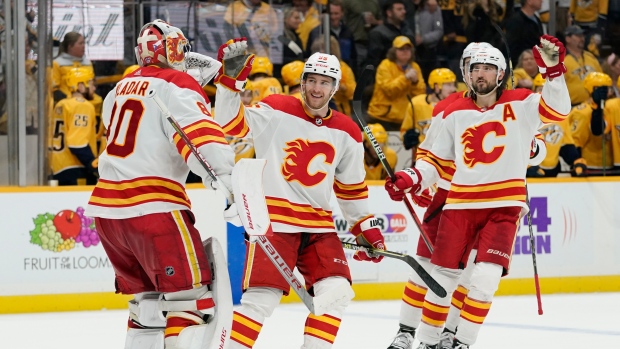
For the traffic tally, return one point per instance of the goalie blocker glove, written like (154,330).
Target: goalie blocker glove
(236,64)
(549,56)
(367,234)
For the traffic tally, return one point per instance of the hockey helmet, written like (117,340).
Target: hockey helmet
(441,76)
(596,79)
(489,55)
(130,69)
(162,44)
(539,81)
(469,51)
(262,65)
(78,75)
(378,131)
(323,64)
(291,73)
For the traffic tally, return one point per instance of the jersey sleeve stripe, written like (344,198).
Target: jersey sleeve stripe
(350,191)
(138,191)
(237,127)
(547,114)
(445,168)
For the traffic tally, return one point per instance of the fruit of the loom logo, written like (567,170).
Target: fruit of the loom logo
(62,231)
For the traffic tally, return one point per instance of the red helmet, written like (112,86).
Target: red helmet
(162,44)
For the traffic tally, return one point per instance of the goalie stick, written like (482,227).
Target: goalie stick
(357,111)
(424,275)
(316,306)
(255,210)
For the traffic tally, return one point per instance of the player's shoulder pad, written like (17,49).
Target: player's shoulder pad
(444,103)
(344,123)
(458,105)
(283,102)
(175,77)
(517,94)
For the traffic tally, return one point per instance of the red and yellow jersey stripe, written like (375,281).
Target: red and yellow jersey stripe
(134,192)
(508,190)
(237,127)
(300,215)
(200,133)
(350,191)
(444,167)
(548,114)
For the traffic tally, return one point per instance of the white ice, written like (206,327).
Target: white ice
(569,321)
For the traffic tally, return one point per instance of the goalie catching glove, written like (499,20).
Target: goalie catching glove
(549,56)
(236,64)
(367,234)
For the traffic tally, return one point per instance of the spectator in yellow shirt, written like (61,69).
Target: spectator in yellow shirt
(578,64)
(374,169)
(398,79)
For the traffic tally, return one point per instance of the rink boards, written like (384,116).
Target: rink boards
(576,226)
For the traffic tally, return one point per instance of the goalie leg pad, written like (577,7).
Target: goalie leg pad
(144,310)
(320,330)
(144,338)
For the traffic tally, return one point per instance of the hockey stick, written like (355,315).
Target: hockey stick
(255,210)
(248,220)
(527,195)
(532,247)
(424,275)
(357,111)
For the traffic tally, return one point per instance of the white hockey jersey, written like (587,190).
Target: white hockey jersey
(307,158)
(145,164)
(490,146)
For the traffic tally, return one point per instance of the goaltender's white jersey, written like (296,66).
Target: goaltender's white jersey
(145,164)
(308,158)
(490,147)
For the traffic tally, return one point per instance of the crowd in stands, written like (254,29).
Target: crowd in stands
(415,47)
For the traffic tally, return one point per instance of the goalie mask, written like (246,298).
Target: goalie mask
(160,43)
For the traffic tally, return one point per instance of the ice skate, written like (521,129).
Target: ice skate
(446,339)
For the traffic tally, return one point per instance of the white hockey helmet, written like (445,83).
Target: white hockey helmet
(469,51)
(323,64)
(491,56)
(162,44)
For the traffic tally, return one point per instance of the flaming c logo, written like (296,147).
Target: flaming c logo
(175,49)
(473,141)
(299,156)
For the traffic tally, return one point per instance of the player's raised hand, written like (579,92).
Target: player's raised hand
(405,181)
(549,56)
(367,234)
(236,64)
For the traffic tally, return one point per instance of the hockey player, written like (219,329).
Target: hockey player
(418,118)
(141,209)
(372,165)
(586,120)
(74,141)
(612,119)
(263,82)
(487,137)
(311,150)
(291,75)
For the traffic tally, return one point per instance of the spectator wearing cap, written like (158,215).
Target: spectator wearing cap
(380,37)
(398,79)
(578,64)
(523,28)
(611,67)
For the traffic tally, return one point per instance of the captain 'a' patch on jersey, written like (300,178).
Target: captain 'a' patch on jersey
(73,126)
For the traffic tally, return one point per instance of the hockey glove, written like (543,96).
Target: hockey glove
(236,64)
(549,56)
(599,95)
(367,234)
(411,138)
(405,181)
(202,68)
(424,199)
(580,168)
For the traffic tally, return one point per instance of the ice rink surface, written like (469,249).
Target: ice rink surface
(569,321)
